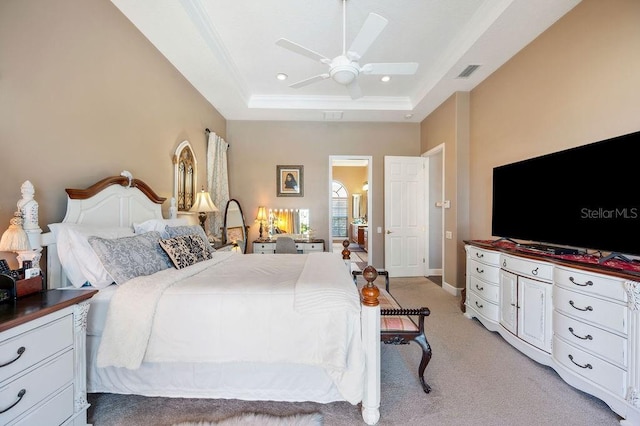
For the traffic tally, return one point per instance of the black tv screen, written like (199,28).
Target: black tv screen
(586,197)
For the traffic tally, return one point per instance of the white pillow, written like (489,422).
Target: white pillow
(77,257)
(158,225)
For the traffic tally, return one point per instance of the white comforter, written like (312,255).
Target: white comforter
(248,308)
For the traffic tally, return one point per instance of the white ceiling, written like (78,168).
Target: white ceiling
(227,50)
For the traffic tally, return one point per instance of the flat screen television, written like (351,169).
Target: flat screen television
(586,197)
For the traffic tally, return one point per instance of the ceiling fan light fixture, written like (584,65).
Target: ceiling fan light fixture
(344,74)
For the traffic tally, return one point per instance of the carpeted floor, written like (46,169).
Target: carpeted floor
(477,379)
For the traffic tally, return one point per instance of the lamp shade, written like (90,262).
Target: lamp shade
(15,238)
(262,214)
(203,203)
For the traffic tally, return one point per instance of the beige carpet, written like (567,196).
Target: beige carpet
(476,377)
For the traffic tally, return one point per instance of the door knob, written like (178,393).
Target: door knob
(388,232)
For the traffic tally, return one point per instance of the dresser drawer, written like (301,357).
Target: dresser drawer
(310,247)
(484,308)
(54,411)
(598,312)
(529,268)
(595,340)
(484,289)
(35,345)
(482,271)
(484,256)
(36,385)
(595,284)
(590,367)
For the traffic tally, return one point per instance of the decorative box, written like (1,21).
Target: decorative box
(11,289)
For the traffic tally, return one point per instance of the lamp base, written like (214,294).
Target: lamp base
(203,218)
(261,230)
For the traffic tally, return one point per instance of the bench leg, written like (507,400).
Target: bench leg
(421,340)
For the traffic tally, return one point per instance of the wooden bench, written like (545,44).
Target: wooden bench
(397,326)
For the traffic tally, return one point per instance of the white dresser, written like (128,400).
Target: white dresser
(43,359)
(483,287)
(582,321)
(303,247)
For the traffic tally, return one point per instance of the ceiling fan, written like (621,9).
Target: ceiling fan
(344,69)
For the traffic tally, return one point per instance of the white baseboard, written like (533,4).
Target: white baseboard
(451,289)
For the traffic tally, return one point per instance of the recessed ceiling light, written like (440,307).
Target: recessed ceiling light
(281,76)
(385,78)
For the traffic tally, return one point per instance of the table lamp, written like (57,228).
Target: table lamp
(261,217)
(203,205)
(15,239)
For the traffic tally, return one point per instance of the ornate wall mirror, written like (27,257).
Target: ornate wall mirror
(185,176)
(288,221)
(235,229)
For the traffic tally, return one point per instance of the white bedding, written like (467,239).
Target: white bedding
(249,309)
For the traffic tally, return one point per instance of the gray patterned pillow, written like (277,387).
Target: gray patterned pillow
(185,250)
(176,231)
(129,257)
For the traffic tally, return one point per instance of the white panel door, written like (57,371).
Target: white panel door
(404,210)
(509,301)
(534,313)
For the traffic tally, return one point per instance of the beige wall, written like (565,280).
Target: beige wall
(83,95)
(449,125)
(577,83)
(258,146)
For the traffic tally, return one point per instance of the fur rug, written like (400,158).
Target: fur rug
(253,419)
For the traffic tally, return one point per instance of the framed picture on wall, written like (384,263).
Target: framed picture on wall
(290,181)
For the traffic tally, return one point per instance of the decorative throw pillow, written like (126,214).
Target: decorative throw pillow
(176,231)
(129,257)
(185,250)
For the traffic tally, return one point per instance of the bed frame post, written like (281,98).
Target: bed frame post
(371,341)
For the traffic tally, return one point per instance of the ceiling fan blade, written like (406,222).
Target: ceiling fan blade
(354,90)
(301,50)
(390,68)
(310,80)
(371,29)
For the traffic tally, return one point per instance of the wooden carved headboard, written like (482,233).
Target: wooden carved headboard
(113,201)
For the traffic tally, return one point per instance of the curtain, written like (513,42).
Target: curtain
(217,180)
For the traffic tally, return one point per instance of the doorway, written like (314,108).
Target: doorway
(435,208)
(354,174)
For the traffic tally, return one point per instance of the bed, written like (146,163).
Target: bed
(251,327)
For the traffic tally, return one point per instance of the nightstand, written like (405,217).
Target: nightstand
(43,358)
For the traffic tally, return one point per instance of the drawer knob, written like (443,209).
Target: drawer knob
(587,337)
(588,308)
(479,255)
(20,395)
(589,366)
(504,263)
(21,350)
(588,283)
(479,305)
(534,272)
(479,288)
(480,271)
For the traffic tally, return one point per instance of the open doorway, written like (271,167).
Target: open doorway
(350,207)
(435,205)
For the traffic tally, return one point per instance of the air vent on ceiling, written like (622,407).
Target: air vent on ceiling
(333,115)
(470,69)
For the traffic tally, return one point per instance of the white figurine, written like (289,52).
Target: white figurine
(28,207)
